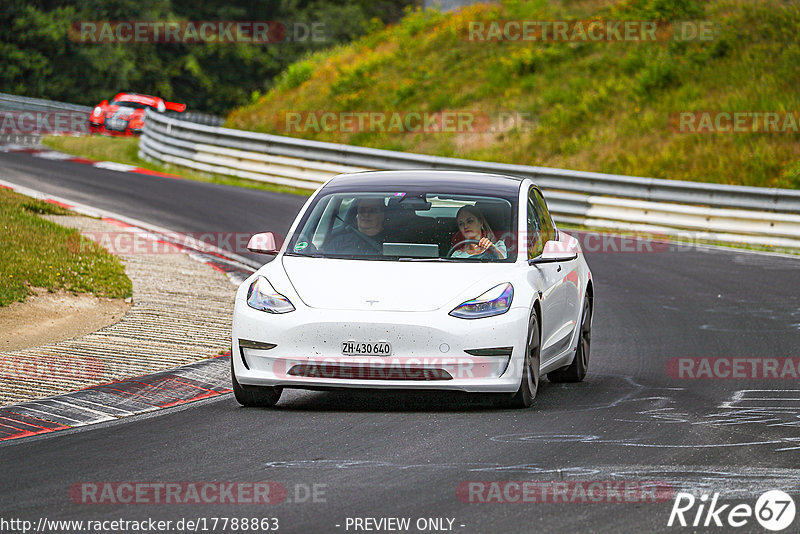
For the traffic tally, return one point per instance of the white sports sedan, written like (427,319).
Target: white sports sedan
(425,279)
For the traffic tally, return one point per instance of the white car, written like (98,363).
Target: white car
(425,279)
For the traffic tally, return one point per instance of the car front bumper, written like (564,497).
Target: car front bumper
(429,349)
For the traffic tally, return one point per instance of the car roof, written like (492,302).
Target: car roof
(428,179)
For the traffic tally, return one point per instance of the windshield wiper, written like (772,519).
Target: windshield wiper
(312,255)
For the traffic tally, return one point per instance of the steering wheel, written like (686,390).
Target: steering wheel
(466,242)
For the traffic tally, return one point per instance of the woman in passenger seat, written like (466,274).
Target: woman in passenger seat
(475,237)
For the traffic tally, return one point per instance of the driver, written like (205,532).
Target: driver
(370,235)
(475,238)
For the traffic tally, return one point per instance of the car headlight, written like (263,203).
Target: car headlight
(97,110)
(494,302)
(262,296)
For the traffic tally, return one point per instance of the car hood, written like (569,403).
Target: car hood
(385,285)
(122,112)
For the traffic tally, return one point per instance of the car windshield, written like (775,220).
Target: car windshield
(408,226)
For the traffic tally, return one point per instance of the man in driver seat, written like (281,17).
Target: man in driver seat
(370,235)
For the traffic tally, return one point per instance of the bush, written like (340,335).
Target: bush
(295,75)
(656,77)
(664,9)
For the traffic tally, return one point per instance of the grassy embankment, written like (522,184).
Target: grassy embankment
(42,254)
(125,150)
(589,106)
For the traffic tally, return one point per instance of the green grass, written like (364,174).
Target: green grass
(601,107)
(126,150)
(116,149)
(42,254)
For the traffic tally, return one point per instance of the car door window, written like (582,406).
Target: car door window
(545,220)
(535,243)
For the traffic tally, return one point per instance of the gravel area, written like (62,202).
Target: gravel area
(181,313)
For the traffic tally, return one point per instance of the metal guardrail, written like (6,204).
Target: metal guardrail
(447,5)
(201,118)
(24,103)
(16,103)
(720,212)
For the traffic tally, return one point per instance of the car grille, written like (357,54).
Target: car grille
(116,124)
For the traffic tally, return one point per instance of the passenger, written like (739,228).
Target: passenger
(475,238)
(368,238)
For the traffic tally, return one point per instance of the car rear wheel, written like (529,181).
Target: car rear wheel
(529,384)
(576,371)
(254,396)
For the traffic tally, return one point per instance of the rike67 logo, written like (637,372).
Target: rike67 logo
(774,511)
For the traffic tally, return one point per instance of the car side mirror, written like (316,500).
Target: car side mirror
(556,251)
(265,243)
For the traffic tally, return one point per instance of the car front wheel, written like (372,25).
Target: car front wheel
(529,384)
(576,371)
(256,397)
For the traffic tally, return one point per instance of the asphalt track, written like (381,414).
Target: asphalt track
(381,455)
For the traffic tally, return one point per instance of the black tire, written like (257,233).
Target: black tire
(252,396)
(529,384)
(576,371)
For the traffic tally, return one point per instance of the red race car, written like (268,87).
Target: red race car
(124,115)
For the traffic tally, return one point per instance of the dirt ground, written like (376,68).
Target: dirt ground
(48,317)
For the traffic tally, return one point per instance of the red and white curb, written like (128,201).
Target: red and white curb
(107,402)
(46,153)
(116,400)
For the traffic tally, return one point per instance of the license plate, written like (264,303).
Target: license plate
(366,348)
